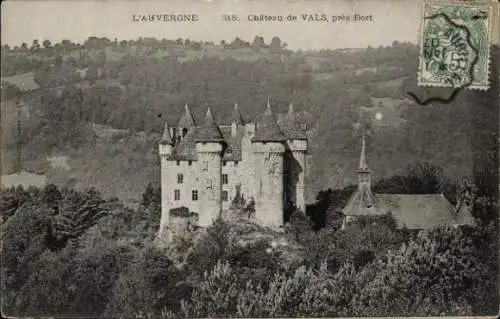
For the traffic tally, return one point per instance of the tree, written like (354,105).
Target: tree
(437,273)
(46,44)
(35,46)
(275,44)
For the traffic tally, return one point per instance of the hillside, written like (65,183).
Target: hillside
(101,106)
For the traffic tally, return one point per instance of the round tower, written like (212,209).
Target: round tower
(297,143)
(165,150)
(209,147)
(268,149)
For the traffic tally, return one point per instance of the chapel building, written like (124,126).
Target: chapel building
(413,211)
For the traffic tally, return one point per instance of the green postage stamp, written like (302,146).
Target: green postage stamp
(455,44)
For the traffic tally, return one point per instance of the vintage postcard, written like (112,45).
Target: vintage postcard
(237,158)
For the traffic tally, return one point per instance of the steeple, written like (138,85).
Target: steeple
(290,115)
(363,166)
(208,117)
(364,174)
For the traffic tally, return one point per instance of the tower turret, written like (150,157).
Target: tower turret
(209,147)
(296,170)
(268,149)
(165,150)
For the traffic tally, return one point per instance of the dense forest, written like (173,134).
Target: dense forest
(68,252)
(104,102)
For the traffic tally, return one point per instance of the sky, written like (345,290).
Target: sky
(396,20)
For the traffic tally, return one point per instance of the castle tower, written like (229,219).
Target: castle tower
(209,147)
(297,144)
(165,150)
(184,124)
(268,149)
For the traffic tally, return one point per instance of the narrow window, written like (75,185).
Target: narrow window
(225,179)
(224,163)
(235,163)
(224,196)
(177,194)
(178,163)
(180,178)
(194,195)
(190,163)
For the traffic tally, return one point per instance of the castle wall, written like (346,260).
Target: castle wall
(170,183)
(268,168)
(246,170)
(233,172)
(210,173)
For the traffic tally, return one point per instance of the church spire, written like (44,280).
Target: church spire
(363,166)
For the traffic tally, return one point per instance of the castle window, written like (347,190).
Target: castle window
(184,132)
(225,179)
(235,163)
(190,163)
(224,163)
(177,194)
(225,196)
(194,195)
(180,178)
(229,151)
(178,163)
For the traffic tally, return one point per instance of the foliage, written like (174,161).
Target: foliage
(150,283)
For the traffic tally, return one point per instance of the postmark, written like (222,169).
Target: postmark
(455,45)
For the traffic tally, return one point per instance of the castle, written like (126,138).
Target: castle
(204,167)
(413,211)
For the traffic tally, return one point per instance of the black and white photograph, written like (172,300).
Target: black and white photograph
(249,158)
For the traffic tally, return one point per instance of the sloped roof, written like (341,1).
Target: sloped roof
(187,119)
(210,131)
(185,150)
(290,126)
(363,202)
(236,115)
(268,129)
(166,138)
(420,211)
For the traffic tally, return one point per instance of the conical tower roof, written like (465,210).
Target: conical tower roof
(268,129)
(187,119)
(236,115)
(210,131)
(166,138)
(291,127)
